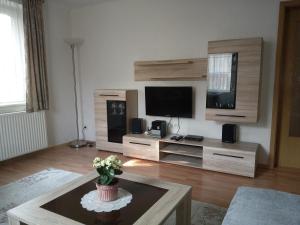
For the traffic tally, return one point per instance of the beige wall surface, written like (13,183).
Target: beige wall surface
(61,116)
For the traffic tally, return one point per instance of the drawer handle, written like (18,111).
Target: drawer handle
(104,95)
(137,143)
(239,116)
(231,156)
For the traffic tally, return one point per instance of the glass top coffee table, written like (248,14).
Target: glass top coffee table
(152,203)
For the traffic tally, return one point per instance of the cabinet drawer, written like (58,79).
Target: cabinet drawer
(234,162)
(141,148)
(103,144)
(235,116)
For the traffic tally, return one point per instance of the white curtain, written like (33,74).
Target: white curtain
(12,54)
(219,72)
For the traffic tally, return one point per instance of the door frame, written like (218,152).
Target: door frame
(279,76)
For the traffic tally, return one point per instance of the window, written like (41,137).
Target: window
(12,57)
(219,71)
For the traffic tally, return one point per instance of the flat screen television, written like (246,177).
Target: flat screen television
(169,101)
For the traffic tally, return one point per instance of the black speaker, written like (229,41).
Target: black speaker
(229,133)
(137,126)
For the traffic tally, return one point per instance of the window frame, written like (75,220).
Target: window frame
(13,107)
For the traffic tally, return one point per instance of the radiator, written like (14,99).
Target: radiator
(22,133)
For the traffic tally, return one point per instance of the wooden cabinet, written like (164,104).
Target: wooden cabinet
(181,69)
(210,154)
(248,79)
(234,161)
(142,147)
(101,97)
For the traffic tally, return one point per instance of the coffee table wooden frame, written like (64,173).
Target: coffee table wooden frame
(178,197)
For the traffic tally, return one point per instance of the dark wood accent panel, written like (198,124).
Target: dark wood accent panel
(295,104)
(144,196)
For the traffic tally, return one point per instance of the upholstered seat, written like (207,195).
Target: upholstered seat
(256,206)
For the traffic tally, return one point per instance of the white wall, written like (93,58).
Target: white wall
(60,117)
(119,32)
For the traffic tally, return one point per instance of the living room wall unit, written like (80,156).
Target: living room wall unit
(120,32)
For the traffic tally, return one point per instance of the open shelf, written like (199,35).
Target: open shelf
(180,69)
(182,160)
(185,150)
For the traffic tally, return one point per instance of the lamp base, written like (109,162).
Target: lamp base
(78,143)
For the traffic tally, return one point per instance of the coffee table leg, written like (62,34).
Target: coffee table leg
(183,211)
(12,221)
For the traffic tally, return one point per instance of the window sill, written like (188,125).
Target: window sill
(9,109)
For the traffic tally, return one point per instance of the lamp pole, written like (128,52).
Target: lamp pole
(73,43)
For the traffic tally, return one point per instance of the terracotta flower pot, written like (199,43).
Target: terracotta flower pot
(107,193)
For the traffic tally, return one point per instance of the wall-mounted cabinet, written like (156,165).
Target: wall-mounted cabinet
(181,69)
(234,74)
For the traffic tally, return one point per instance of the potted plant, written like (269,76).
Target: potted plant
(107,183)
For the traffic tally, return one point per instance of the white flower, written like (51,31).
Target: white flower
(110,162)
(96,162)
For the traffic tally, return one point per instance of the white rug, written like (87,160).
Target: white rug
(27,188)
(16,193)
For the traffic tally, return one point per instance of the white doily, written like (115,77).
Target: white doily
(91,202)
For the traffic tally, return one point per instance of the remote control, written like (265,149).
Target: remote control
(177,138)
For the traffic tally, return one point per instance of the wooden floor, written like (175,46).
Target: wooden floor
(211,187)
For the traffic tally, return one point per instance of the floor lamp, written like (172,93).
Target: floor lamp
(75,43)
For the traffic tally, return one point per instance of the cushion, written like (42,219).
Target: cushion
(257,206)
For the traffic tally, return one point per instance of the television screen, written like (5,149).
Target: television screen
(169,101)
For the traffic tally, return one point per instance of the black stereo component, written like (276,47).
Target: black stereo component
(137,126)
(229,133)
(159,128)
(193,138)
(177,137)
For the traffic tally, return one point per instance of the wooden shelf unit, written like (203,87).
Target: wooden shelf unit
(182,160)
(211,154)
(185,150)
(179,69)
